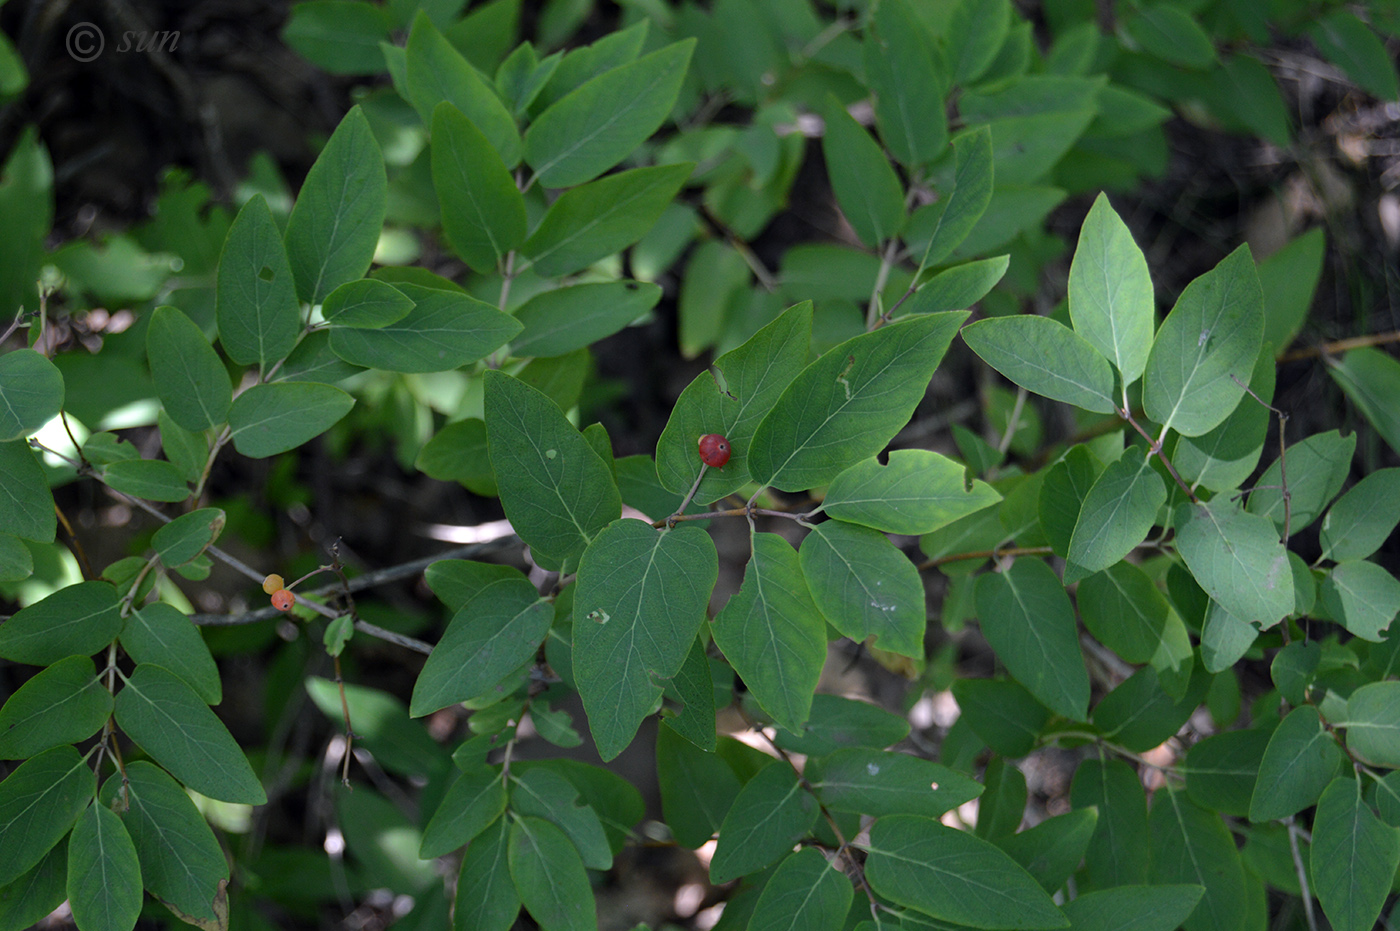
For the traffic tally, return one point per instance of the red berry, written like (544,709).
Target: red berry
(283,600)
(714,450)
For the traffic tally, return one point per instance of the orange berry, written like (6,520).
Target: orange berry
(272,583)
(283,600)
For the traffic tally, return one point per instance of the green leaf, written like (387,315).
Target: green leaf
(1115,853)
(486,897)
(437,72)
(694,688)
(838,722)
(381,724)
(31,393)
(697,788)
(1133,908)
(1051,851)
(334,228)
(1124,611)
(162,635)
(32,897)
(976,32)
(1225,455)
(187,536)
(549,876)
(269,419)
(805,891)
(865,586)
(566,319)
(770,814)
(255,296)
(365,303)
(1204,352)
(1371,379)
(1139,714)
(1354,857)
(849,403)
(1169,33)
(189,378)
(445,330)
(473,802)
(39,802)
(1190,845)
(1373,723)
(595,220)
(773,634)
(600,123)
(954,876)
(497,630)
(1225,638)
(1237,558)
(899,56)
(1045,356)
(181,862)
(340,36)
(104,876)
(1362,597)
(959,287)
(168,720)
(917,492)
(383,840)
(77,620)
(16,562)
(26,504)
(1289,278)
(1027,618)
(64,704)
(546,794)
(1002,713)
(1221,770)
(1118,511)
(732,401)
(483,213)
(555,489)
(1300,761)
(1363,518)
(878,782)
(1062,495)
(1351,45)
(639,604)
(458,453)
(1110,291)
(956,216)
(866,187)
(154,479)
(1317,467)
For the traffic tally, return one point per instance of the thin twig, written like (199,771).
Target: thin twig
(1341,345)
(1302,872)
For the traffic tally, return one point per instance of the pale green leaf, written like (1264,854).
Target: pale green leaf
(365,303)
(164,636)
(1299,762)
(917,492)
(153,479)
(1316,469)
(1237,559)
(1118,511)
(866,187)
(1045,356)
(1204,352)
(805,892)
(953,219)
(1361,596)
(187,536)
(1110,291)
(1372,380)
(1373,723)
(1363,518)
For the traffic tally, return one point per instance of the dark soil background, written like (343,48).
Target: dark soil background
(227,88)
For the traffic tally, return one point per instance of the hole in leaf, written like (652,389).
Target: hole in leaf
(266,273)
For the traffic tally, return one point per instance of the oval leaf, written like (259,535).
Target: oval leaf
(31,393)
(1046,357)
(271,419)
(255,296)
